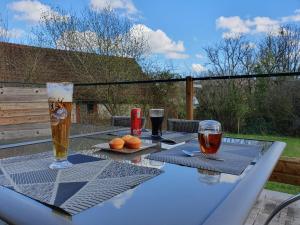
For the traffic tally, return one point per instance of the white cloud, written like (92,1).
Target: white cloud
(198,68)
(13,33)
(120,200)
(264,24)
(30,10)
(292,18)
(126,5)
(235,26)
(159,42)
(199,56)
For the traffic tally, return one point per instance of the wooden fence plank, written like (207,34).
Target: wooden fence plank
(31,133)
(23,112)
(25,126)
(23,105)
(24,119)
(23,91)
(12,94)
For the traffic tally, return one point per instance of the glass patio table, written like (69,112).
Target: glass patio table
(180,195)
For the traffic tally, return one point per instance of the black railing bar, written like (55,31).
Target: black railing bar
(247,76)
(244,76)
(130,82)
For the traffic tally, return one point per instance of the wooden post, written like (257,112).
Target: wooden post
(189,97)
(95,107)
(78,112)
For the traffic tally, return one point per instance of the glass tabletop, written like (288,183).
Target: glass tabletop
(181,195)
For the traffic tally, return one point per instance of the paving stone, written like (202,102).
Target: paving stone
(266,203)
(260,219)
(269,207)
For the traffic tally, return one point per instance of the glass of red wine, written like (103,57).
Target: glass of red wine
(209,136)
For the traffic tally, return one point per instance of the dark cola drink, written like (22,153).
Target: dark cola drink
(157,118)
(157,125)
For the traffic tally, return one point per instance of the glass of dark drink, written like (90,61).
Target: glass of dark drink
(157,118)
(209,136)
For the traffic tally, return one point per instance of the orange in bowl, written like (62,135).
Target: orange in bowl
(116,143)
(134,143)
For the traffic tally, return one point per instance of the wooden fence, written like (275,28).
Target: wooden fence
(287,171)
(24,113)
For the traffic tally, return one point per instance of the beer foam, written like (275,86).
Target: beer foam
(156,112)
(60,91)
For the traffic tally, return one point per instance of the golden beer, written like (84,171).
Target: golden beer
(60,108)
(60,128)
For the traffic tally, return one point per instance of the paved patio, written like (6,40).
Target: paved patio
(265,204)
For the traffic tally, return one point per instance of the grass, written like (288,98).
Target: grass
(287,188)
(291,150)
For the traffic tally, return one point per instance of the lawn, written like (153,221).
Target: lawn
(292,150)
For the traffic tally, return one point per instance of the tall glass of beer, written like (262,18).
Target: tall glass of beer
(60,107)
(157,118)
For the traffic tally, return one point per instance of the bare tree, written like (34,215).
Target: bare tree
(226,100)
(231,56)
(4,35)
(280,51)
(99,46)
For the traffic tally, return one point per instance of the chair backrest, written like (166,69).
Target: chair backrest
(124,121)
(190,126)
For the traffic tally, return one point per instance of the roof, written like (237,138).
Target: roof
(23,63)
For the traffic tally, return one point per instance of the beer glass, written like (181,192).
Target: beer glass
(156,117)
(60,107)
(209,136)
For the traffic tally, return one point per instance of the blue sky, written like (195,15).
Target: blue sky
(178,29)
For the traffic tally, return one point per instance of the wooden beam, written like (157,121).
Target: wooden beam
(189,98)
(287,171)
(95,107)
(77,112)
(285,178)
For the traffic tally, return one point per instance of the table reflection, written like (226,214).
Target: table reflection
(209,177)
